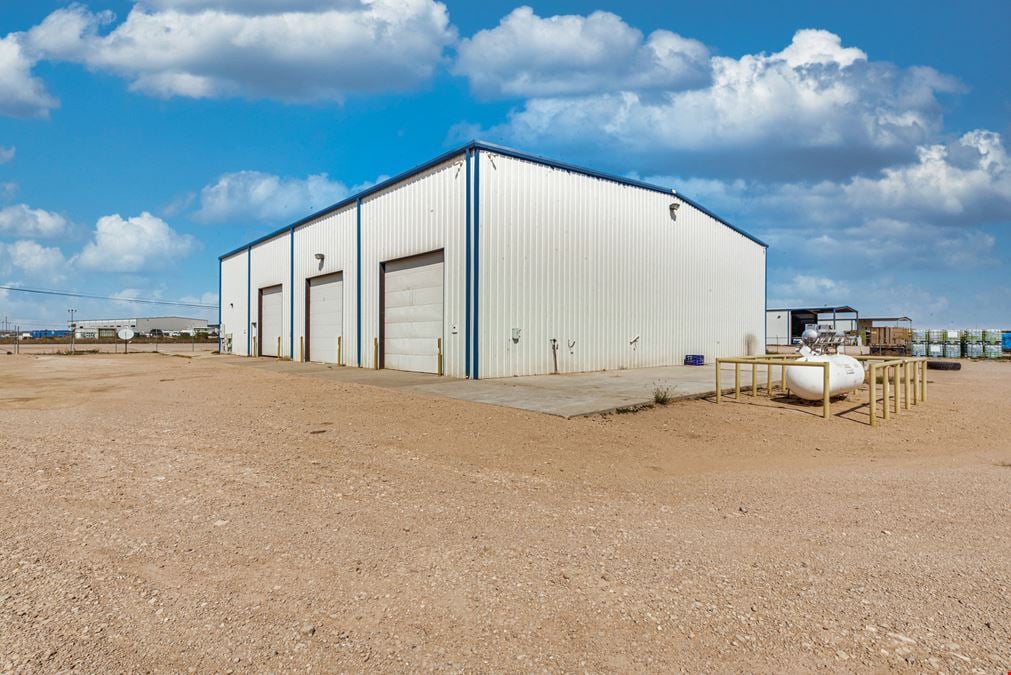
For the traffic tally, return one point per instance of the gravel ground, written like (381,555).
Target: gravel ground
(161,513)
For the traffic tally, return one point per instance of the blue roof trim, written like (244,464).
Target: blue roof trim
(502,150)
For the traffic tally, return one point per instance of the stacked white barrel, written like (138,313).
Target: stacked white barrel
(992,343)
(935,343)
(974,343)
(919,345)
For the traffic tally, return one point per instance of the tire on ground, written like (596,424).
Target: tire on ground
(944,365)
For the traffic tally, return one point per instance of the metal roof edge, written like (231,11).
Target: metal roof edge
(351,199)
(489,147)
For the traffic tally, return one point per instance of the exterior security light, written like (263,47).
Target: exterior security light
(320,256)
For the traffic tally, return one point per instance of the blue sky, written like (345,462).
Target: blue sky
(866,142)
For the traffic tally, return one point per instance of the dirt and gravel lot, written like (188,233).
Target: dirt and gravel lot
(161,513)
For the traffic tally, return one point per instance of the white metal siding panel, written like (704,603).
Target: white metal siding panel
(271,320)
(777,327)
(595,264)
(233,301)
(326,318)
(413,313)
(424,213)
(270,267)
(333,235)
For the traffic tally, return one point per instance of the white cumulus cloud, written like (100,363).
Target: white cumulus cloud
(816,107)
(133,244)
(21,93)
(7,154)
(31,260)
(305,51)
(966,182)
(21,220)
(530,56)
(255,195)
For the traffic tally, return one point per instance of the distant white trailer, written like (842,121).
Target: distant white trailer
(503,264)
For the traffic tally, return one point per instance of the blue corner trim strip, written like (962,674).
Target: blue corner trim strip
(358,274)
(291,296)
(765,318)
(477,261)
(220,263)
(509,152)
(249,302)
(466,330)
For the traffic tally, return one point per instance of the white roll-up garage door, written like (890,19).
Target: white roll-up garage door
(271,320)
(326,317)
(412,312)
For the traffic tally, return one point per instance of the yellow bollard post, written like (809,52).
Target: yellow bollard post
(915,367)
(782,377)
(905,384)
(923,380)
(255,353)
(768,378)
(885,407)
(340,362)
(895,383)
(872,395)
(737,381)
(439,347)
(278,355)
(718,392)
(754,379)
(301,349)
(825,389)
(375,353)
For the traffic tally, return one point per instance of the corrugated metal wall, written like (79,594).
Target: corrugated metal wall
(269,266)
(603,269)
(424,213)
(233,301)
(333,235)
(777,327)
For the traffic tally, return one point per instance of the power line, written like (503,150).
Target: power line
(70,294)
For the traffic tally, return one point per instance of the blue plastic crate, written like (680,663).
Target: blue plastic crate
(695,360)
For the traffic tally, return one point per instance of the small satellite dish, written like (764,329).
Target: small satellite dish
(125,334)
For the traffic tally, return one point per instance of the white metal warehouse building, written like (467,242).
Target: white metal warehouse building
(510,264)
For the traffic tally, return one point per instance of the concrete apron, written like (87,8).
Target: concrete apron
(568,395)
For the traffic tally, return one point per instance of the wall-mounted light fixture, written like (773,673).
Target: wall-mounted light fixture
(319,257)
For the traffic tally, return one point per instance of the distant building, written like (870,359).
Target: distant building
(143,325)
(784,326)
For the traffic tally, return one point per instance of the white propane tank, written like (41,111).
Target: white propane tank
(845,375)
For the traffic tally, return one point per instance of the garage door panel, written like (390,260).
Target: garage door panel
(413,363)
(271,320)
(414,296)
(429,330)
(413,313)
(326,317)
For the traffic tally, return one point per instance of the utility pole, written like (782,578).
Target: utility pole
(73,330)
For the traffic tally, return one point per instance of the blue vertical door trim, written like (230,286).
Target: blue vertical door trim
(466,329)
(765,317)
(477,260)
(291,297)
(358,273)
(249,302)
